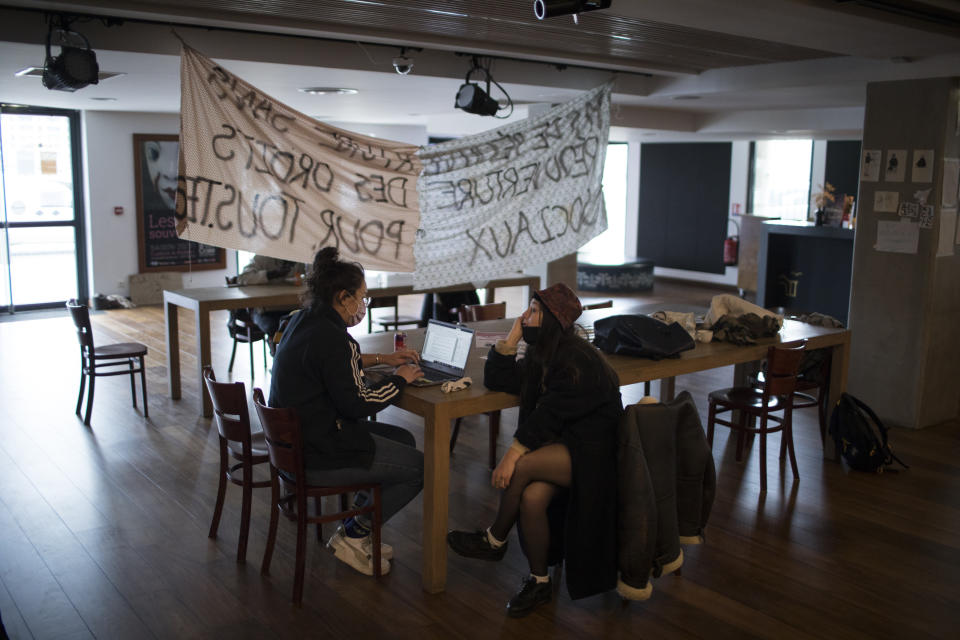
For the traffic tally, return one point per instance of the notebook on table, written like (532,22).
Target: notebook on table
(444,353)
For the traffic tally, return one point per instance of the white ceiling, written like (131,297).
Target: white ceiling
(822,95)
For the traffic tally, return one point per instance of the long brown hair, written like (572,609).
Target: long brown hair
(553,341)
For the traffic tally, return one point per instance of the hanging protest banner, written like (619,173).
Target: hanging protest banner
(259,176)
(514,197)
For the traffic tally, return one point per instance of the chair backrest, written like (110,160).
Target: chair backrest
(281,430)
(383,301)
(81,319)
(603,304)
(229,408)
(476,312)
(783,360)
(241,323)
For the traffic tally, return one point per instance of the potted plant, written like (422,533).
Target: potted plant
(822,199)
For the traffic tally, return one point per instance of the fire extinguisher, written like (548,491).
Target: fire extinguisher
(731,248)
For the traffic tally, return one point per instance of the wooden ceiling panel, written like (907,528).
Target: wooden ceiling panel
(602,38)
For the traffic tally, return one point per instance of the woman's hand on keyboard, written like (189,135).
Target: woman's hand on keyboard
(409,372)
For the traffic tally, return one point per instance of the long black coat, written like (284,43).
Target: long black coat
(578,405)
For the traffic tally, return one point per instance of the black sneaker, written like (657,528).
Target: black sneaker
(474,544)
(531,594)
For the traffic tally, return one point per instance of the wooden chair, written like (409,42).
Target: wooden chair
(776,395)
(118,359)
(820,382)
(602,304)
(281,428)
(242,328)
(385,322)
(236,440)
(475,313)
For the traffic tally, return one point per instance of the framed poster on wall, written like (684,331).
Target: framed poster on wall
(155,173)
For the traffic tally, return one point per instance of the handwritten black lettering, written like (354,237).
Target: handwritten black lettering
(477,245)
(221,223)
(377,234)
(229,135)
(395,231)
(523,226)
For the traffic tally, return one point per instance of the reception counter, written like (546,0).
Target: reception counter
(805,268)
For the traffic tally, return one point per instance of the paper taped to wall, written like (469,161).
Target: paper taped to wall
(897,236)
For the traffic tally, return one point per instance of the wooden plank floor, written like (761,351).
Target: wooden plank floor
(103,530)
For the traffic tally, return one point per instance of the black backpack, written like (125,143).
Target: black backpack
(860,436)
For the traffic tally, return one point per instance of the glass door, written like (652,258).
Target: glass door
(42,259)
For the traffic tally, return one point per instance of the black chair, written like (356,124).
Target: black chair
(281,428)
(242,328)
(232,416)
(119,359)
(385,322)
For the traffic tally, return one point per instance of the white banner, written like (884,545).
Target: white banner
(513,197)
(259,176)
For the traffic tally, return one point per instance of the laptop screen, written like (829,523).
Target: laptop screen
(446,345)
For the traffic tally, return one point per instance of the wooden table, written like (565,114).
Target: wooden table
(204,300)
(438,409)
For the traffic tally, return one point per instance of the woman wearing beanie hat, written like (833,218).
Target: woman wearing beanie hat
(558,479)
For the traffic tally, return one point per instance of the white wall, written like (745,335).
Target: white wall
(108,169)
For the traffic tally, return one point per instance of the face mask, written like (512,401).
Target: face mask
(357,316)
(531,334)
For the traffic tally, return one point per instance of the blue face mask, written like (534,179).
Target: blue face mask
(531,334)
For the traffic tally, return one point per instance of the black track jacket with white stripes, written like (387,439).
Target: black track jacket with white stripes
(317,371)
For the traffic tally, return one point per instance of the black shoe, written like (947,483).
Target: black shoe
(474,544)
(531,594)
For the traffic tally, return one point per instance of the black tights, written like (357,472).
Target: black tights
(536,480)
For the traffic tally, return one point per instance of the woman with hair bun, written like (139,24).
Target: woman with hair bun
(558,479)
(318,372)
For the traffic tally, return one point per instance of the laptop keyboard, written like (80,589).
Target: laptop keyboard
(434,374)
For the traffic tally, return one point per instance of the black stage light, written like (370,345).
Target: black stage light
(550,8)
(74,68)
(472,99)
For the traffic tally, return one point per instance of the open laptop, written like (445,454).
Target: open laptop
(444,353)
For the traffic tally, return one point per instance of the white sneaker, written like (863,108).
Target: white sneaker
(386,551)
(356,553)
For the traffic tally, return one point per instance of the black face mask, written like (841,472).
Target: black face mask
(531,334)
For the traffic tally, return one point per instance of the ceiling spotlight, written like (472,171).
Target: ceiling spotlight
(551,8)
(75,67)
(472,99)
(402,64)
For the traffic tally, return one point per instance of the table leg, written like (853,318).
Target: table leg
(839,366)
(173,349)
(436,490)
(203,357)
(668,389)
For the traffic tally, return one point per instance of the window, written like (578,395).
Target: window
(607,248)
(780,178)
(42,260)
